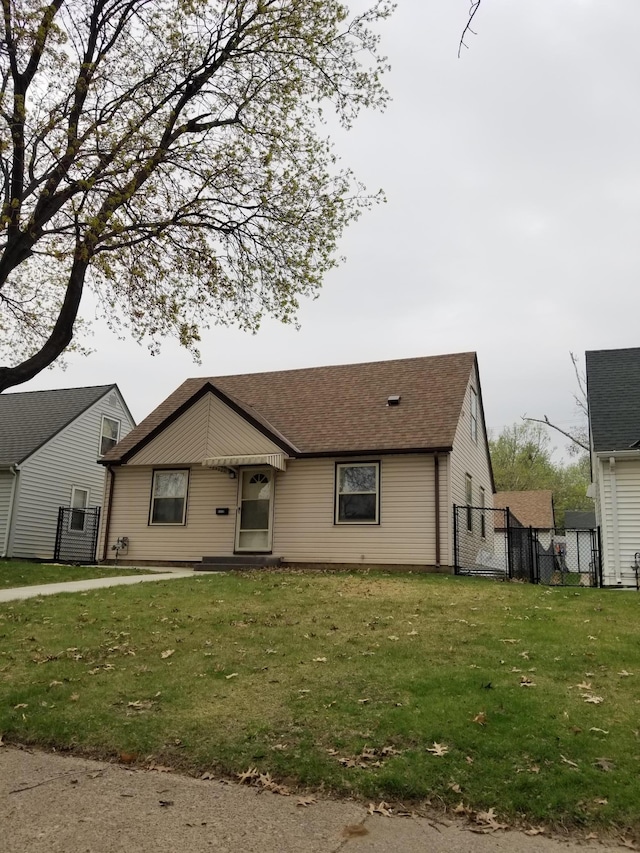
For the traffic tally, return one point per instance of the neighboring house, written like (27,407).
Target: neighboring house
(50,442)
(533,508)
(613,393)
(356,463)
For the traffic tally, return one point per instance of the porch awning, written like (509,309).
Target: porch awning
(275,460)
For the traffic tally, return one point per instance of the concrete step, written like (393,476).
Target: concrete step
(237,561)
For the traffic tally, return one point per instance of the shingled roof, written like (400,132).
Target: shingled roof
(532,508)
(333,410)
(28,419)
(613,391)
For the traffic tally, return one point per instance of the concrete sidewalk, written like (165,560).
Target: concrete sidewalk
(18,593)
(55,804)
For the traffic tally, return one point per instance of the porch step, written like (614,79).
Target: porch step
(237,561)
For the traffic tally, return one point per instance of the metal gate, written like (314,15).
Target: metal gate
(77,534)
(493,543)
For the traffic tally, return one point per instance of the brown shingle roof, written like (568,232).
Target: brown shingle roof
(337,409)
(533,508)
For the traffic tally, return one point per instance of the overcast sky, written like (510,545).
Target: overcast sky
(512,225)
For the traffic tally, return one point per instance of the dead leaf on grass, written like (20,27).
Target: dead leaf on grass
(624,674)
(20,705)
(167,653)
(393,638)
(231,675)
(568,761)
(525,681)
(605,764)
(535,830)
(319,660)
(306,801)
(455,787)
(480,718)
(584,685)
(601,801)
(596,729)
(438,749)
(488,821)
(594,700)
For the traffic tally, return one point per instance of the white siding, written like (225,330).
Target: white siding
(208,428)
(47,477)
(619,516)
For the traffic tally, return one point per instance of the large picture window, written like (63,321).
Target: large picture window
(357,493)
(109,434)
(169,497)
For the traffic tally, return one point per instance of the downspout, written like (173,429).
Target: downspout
(436,487)
(14,469)
(107,519)
(614,519)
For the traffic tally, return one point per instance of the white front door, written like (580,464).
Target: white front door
(253,530)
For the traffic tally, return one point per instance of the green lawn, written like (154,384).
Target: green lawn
(15,573)
(346,682)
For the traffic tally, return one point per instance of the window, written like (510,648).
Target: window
(468,496)
(357,493)
(79,503)
(473,410)
(109,434)
(169,497)
(483,529)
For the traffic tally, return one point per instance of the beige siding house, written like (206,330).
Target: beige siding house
(50,443)
(349,464)
(613,392)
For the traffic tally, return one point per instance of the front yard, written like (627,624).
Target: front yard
(402,687)
(15,573)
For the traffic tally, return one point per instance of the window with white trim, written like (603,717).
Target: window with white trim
(109,434)
(79,503)
(169,497)
(473,410)
(357,493)
(483,525)
(468,496)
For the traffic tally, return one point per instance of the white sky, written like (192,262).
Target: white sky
(512,224)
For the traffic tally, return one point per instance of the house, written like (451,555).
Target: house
(357,463)
(50,442)
(613,394)
(533,508)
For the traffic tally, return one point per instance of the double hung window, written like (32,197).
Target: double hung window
(169,497)
(357,493)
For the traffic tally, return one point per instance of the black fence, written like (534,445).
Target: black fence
(77,534)
(493,543)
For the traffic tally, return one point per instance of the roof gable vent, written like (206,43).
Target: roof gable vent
(393,400)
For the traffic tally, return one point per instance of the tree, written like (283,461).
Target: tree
(168,155)
(522,460)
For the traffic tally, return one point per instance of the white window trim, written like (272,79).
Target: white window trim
(102,435)
(75,489)
(181,523)
(468,496)
(336,505)
(483,521)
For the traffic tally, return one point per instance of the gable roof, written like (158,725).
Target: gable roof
(533,508)
(613,391)
(332,410)
(28,419)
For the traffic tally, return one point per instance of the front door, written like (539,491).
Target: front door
(253,531)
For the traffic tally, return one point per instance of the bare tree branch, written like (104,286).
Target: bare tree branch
(473,9)
(568,435)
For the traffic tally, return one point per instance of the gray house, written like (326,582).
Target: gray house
(613,392)
(50,444)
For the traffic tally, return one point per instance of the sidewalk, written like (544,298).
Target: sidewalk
(18,593)
(55,804)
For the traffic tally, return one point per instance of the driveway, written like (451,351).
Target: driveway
(63,804)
